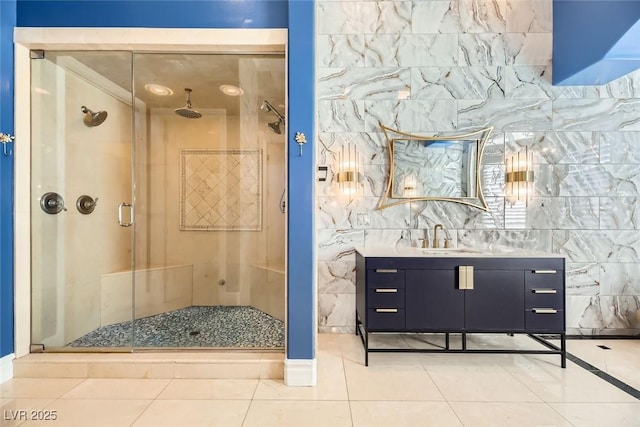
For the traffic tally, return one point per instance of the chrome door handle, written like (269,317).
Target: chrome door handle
(125,205)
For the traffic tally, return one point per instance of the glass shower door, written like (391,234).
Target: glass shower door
(81,191)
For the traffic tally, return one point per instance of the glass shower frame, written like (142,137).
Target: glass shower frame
(135,231)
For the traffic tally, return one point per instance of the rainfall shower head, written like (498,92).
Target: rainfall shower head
(92,119)
(274,126)
(187,111)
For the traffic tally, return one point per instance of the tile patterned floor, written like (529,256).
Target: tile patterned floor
(407,389)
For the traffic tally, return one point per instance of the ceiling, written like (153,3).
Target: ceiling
(261,76)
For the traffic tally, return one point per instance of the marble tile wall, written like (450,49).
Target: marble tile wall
(461,65)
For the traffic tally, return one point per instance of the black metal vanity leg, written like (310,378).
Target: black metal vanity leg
(446,341)
(563,350)
(464,341)
(366,348)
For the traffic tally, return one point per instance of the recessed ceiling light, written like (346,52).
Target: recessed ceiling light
(157,89)
(231,90)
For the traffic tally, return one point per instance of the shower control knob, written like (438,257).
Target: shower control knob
(86,204)
(52,203)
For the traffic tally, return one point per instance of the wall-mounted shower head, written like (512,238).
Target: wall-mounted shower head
(187,111)
(92,119)
(274,126)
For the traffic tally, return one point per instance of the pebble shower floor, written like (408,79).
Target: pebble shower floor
(201,326)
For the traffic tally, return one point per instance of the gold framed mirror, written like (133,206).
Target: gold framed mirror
(444,168)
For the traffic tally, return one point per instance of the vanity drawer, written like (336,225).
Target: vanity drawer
(385,278)
(385,297)
(385,318)
(544,297)
(544,279)
(544,319)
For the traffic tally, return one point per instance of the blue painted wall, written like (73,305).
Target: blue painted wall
(7,22)
(595,41)
(298,16)
(301,304)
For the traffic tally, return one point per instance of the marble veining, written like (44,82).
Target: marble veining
(336,277)
(340,50)
(567,213)
(413,116)
(505,49)
(412,50)
(341,116)
(619,279)
(457,216)
(582,278)
(596,114)
(363,83)
(619,213)
(457,83)
(557,147)
(598,245)
(619,147)
(506,114)
(529,16)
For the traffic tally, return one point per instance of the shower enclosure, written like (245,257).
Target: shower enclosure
(157,217)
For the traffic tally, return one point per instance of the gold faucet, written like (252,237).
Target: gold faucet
(435,234)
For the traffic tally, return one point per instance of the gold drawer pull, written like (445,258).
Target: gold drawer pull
(386,310)
(544,271)
(386,270)
(386,291)
(545,291)
(544,310)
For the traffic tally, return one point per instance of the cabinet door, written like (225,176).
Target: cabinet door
(433,301)
(496,302)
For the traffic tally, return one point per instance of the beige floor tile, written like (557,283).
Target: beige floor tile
(573,384)
(193,413)
(196,389)
(414,414)
(94,413)
(289,413)
(479,384)
(37,388)
(377,382)
(520,414)
(600,414)
(121,388)
(17,411)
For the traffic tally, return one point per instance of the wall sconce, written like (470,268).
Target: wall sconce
(519,177)
(349,166)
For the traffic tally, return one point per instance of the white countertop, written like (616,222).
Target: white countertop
(457,252)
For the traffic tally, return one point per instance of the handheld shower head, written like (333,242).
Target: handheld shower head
(92,119)
(274,126)
(187,111)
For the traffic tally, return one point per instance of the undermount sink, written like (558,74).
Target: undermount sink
(444,251)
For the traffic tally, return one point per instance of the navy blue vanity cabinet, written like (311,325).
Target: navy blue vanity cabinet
(461,295)
(433,301)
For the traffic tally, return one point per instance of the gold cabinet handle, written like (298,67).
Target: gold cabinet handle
(386,291)
(544,310)
(386,270)
(545,291)
(544,271)
(386,310)
(465,277)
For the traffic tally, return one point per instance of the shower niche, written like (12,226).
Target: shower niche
(159,219)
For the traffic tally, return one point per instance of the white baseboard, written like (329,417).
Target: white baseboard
(6,367)
(300,372)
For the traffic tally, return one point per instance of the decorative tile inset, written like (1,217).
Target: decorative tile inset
(221,189)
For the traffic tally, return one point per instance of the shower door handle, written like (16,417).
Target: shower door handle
(125,205)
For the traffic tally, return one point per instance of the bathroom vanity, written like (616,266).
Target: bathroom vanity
(460,291)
